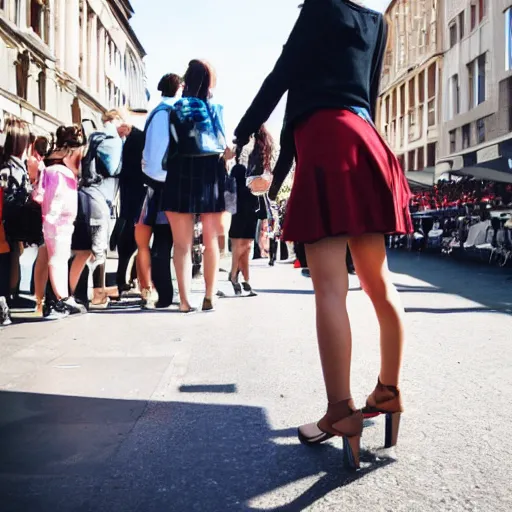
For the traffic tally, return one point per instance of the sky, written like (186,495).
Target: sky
(241,38)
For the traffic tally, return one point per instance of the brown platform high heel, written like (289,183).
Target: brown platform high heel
(386,400)
(341,420)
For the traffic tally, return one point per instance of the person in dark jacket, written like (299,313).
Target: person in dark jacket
(132,192)
(249,207)
(348,188)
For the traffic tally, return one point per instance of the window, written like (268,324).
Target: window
(473,16)
(482,9)
(2,5)
(481,79)
(36,17)
(466,136)
(453,34)
(421,159)
(462,25)
(480,131)
(455,96)
(411,157)
(41,85)
(471,84)
(453,141)
(477,81)
(421,87)
(22,70)
(508,38)
(431,154)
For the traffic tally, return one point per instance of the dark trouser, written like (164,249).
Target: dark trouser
(350,263)
(161,263)
(126,247)
(300,251)
(5,274)
(273,248)
(284,251)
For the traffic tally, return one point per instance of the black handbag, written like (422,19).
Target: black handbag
(23,220)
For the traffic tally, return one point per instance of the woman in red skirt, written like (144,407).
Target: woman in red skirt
(348,189)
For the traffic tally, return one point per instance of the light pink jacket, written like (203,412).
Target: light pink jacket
(58,194)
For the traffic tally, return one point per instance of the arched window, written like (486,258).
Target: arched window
(41,84)
(22,68)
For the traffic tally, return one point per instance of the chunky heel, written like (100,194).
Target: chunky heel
(351,450)
(392,428)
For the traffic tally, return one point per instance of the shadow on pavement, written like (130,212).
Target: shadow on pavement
(482,284)
(63,453)
(227,389)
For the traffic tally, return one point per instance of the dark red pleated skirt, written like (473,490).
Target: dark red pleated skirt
(347,182)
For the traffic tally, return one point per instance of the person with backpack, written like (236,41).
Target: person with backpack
(155,264)
(21,215)
(99,186)
(58,195)
(196,179)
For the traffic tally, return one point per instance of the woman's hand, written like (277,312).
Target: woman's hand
(229,154)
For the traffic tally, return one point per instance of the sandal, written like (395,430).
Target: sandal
(341,420)
(208,305)
(237,288)
(386,400)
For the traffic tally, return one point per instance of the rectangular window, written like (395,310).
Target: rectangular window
(455,96)
(482,10)
(480,131)
(508,39)
(473,16)
(466,136)
(431,154)
(412,93)
(453,141)
(421,159)
(453,34)
(471,84)
(481,79)
(421,87)
(462,25)
(411,158)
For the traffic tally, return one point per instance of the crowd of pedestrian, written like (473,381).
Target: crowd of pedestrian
(141,192)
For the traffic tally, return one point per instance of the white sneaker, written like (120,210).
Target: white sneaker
(5,314)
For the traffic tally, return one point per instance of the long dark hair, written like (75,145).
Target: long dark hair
(17,138)
(264,145)
(199,79)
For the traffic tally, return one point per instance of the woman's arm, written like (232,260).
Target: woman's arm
(292,59)
(378,60)
(284,163)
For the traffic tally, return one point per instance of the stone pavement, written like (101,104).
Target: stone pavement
(154,412)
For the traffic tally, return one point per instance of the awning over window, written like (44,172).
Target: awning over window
(492,162)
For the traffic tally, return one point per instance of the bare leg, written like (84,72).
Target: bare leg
(235,257)
(77,267)
(369,254)
(41,274)
(212,229)
(245,256)
(182,225)
(143,237)
(326,261)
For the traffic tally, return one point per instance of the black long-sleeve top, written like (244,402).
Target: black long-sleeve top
(332,59)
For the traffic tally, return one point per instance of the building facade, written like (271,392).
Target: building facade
(477,107)
(409,113)
(64,61)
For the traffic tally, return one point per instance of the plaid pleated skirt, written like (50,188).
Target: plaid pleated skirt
(195,185)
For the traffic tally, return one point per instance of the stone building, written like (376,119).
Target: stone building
(477,85)
(409,111)
(63,61)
